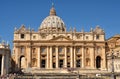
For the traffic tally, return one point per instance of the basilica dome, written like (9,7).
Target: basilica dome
(52,22)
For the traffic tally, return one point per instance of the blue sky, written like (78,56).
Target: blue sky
(75,13)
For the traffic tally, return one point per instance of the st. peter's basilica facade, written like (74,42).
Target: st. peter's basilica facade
(53,48)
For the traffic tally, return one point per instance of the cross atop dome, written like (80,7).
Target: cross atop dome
(52,10)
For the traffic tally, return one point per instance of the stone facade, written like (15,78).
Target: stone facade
(52,47)
(113,47)
(5,55)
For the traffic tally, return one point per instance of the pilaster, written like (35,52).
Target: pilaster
(47,57)
(51,57)
(57,56)
(39,57)
(83,57)
(3,65)
(71,57)
(65,57)
(92,57)
(74,57)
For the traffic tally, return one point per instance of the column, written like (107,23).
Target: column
(16,58)
(74,57)
(7,63)
(57,57)
(51,57)
(83,59)
(71,54)
(3,64)
(29,57)
(39,57)
(65,57)
(92,57)
(47,57)
(103,59)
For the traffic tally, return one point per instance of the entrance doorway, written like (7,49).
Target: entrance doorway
(98,62)
(22,62)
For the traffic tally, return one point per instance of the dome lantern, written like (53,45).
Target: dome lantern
(52,11)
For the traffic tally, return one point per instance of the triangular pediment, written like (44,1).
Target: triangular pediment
(61,38)
(22,29)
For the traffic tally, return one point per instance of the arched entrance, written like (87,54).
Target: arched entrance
(98,62)
(22,62)
(0,63)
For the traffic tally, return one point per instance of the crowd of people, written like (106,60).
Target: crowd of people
(8,76)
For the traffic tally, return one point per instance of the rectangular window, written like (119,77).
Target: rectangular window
(68,64)
(43,63)
(54,65)
(78,62)
(34,37)
(60,63)
(22,36)
(97,37)
(87,37)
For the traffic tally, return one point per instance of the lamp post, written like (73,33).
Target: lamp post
(112,72)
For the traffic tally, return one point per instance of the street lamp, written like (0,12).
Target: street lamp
(112,72)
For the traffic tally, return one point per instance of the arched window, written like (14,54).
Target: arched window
(98,62)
